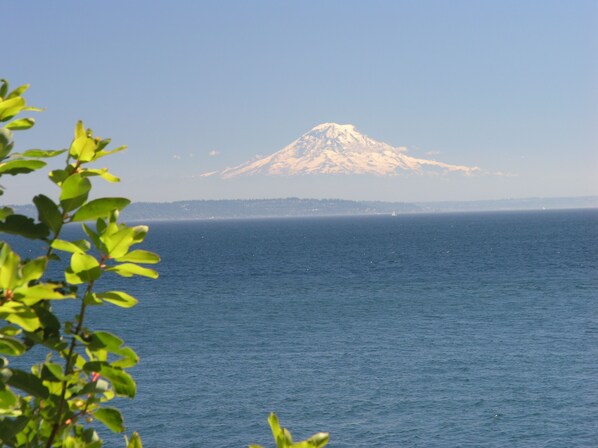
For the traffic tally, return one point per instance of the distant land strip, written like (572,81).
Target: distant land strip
(296,207)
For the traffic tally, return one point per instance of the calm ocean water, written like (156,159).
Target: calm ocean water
(411,331)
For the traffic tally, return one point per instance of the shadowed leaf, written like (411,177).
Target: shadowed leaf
(112,418)
(28,383)
(24,226)
(20,166)
(21,124)
(48,212)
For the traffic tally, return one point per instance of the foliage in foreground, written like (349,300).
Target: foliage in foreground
(57,400)
(283,437)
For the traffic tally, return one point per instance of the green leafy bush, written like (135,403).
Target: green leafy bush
(57,401)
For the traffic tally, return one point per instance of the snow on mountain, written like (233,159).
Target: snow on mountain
(331,148)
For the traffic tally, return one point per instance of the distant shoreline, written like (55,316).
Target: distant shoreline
(296,207)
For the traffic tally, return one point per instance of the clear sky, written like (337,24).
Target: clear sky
(509,86)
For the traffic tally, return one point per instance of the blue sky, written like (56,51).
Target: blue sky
(510,86)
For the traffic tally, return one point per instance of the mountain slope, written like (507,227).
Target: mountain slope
(331,148)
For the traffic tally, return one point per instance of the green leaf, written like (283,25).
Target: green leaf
(7,400)
(83,263)
(118,298)
(72,278)
(28,383)
(91,438)
(83,146)
(102,340)
(140,256)
(72,442)
(110,417)
(128,359)
(20,166)
(121,381)
(106,153)
(80,130)
(20,314)
(6,143)
(9,266)
(101,226)
(49,322)
(11,107)
(58,176)
(75,247)
(106,340)
(75,190)
(52,372)
(103,143)
(5,211)
(42,153)
(18,91)
(83,149)
(3,88)
(11,346)
(85,267)
(135,441)
(275,427)
(118,243)
(129,269)
(109,341)
(140,233)
(99,208)
(318,440)
(91,299)
(48,212)
(24,226)
(9,427)
(21,125)
(95,239)
(102,172)
(9,331)
(288,439)
(30,295)
(33,269)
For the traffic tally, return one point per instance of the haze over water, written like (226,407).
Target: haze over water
(422,330)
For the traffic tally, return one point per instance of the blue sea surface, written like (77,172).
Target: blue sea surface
(452,330)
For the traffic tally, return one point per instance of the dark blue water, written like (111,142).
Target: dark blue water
(414,331)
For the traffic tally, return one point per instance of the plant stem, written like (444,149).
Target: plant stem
(56,235)
(68,366)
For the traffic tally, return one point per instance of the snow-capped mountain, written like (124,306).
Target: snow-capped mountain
(331,148)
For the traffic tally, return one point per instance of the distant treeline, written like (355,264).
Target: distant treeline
(294,207)
(255,208)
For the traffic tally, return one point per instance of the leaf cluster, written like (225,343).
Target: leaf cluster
(56,402)
(283,437)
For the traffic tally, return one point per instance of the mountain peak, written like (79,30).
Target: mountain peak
(334,126)
(332,148)
(333,130)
